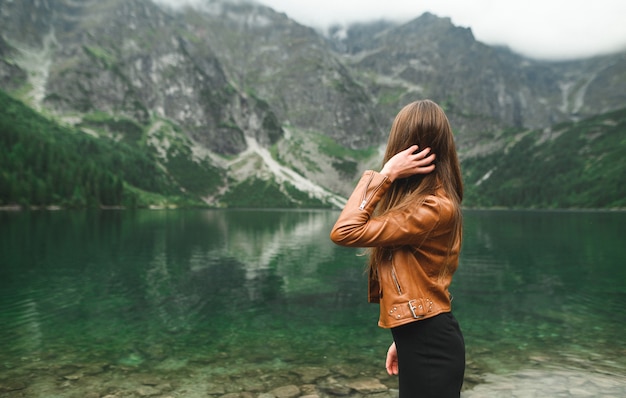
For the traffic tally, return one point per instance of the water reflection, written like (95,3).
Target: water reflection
(537,285)
(168,288)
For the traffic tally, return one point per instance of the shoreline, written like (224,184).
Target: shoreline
(19,208)
(557,382)
(212,379)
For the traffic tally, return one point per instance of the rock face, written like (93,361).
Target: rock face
(292,68)
(131,59)
(227,75)
(11,75)
(483,89)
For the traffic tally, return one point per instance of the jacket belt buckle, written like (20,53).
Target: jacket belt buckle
(413,308)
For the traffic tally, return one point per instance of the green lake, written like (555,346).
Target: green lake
(233,293)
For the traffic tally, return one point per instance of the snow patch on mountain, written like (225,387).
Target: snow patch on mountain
(282,174)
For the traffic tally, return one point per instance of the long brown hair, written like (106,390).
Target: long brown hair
(425,124)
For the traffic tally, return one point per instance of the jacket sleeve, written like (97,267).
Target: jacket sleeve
(356,227)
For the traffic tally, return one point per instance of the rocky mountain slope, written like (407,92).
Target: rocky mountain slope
(484,89)
(248,95)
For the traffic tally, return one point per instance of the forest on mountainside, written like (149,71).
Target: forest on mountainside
(573,165)
(43,164)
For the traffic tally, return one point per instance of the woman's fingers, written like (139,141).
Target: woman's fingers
(391,362)
(409,162)
(423,161)
(426,160)
(423,154)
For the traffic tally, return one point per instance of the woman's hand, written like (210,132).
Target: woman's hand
(392,360)
(407,163)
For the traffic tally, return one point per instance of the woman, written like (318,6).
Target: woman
(409,214)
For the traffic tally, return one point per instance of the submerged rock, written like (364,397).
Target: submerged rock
(367,386)
(289,391)
(12,385)
(334,387)
(310,374)
(148,391)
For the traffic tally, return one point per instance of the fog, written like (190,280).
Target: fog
(544,29)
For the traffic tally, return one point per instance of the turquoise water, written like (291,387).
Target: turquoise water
(236,291)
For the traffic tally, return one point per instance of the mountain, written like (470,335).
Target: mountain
(483,89)
(230,97)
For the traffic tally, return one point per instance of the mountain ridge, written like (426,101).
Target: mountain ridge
(204,83)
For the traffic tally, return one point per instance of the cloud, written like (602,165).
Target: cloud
(549,29)
(546,29)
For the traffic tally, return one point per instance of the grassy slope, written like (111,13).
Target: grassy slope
(574,165)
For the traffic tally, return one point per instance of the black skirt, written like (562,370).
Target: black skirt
(431,357)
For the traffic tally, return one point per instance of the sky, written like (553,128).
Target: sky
(541,29)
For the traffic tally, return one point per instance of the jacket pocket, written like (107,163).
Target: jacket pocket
(396,282)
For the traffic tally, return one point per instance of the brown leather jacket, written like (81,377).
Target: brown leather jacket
(410,285)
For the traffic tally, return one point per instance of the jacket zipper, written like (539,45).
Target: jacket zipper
(394,276)
(365,198)
(395,280)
